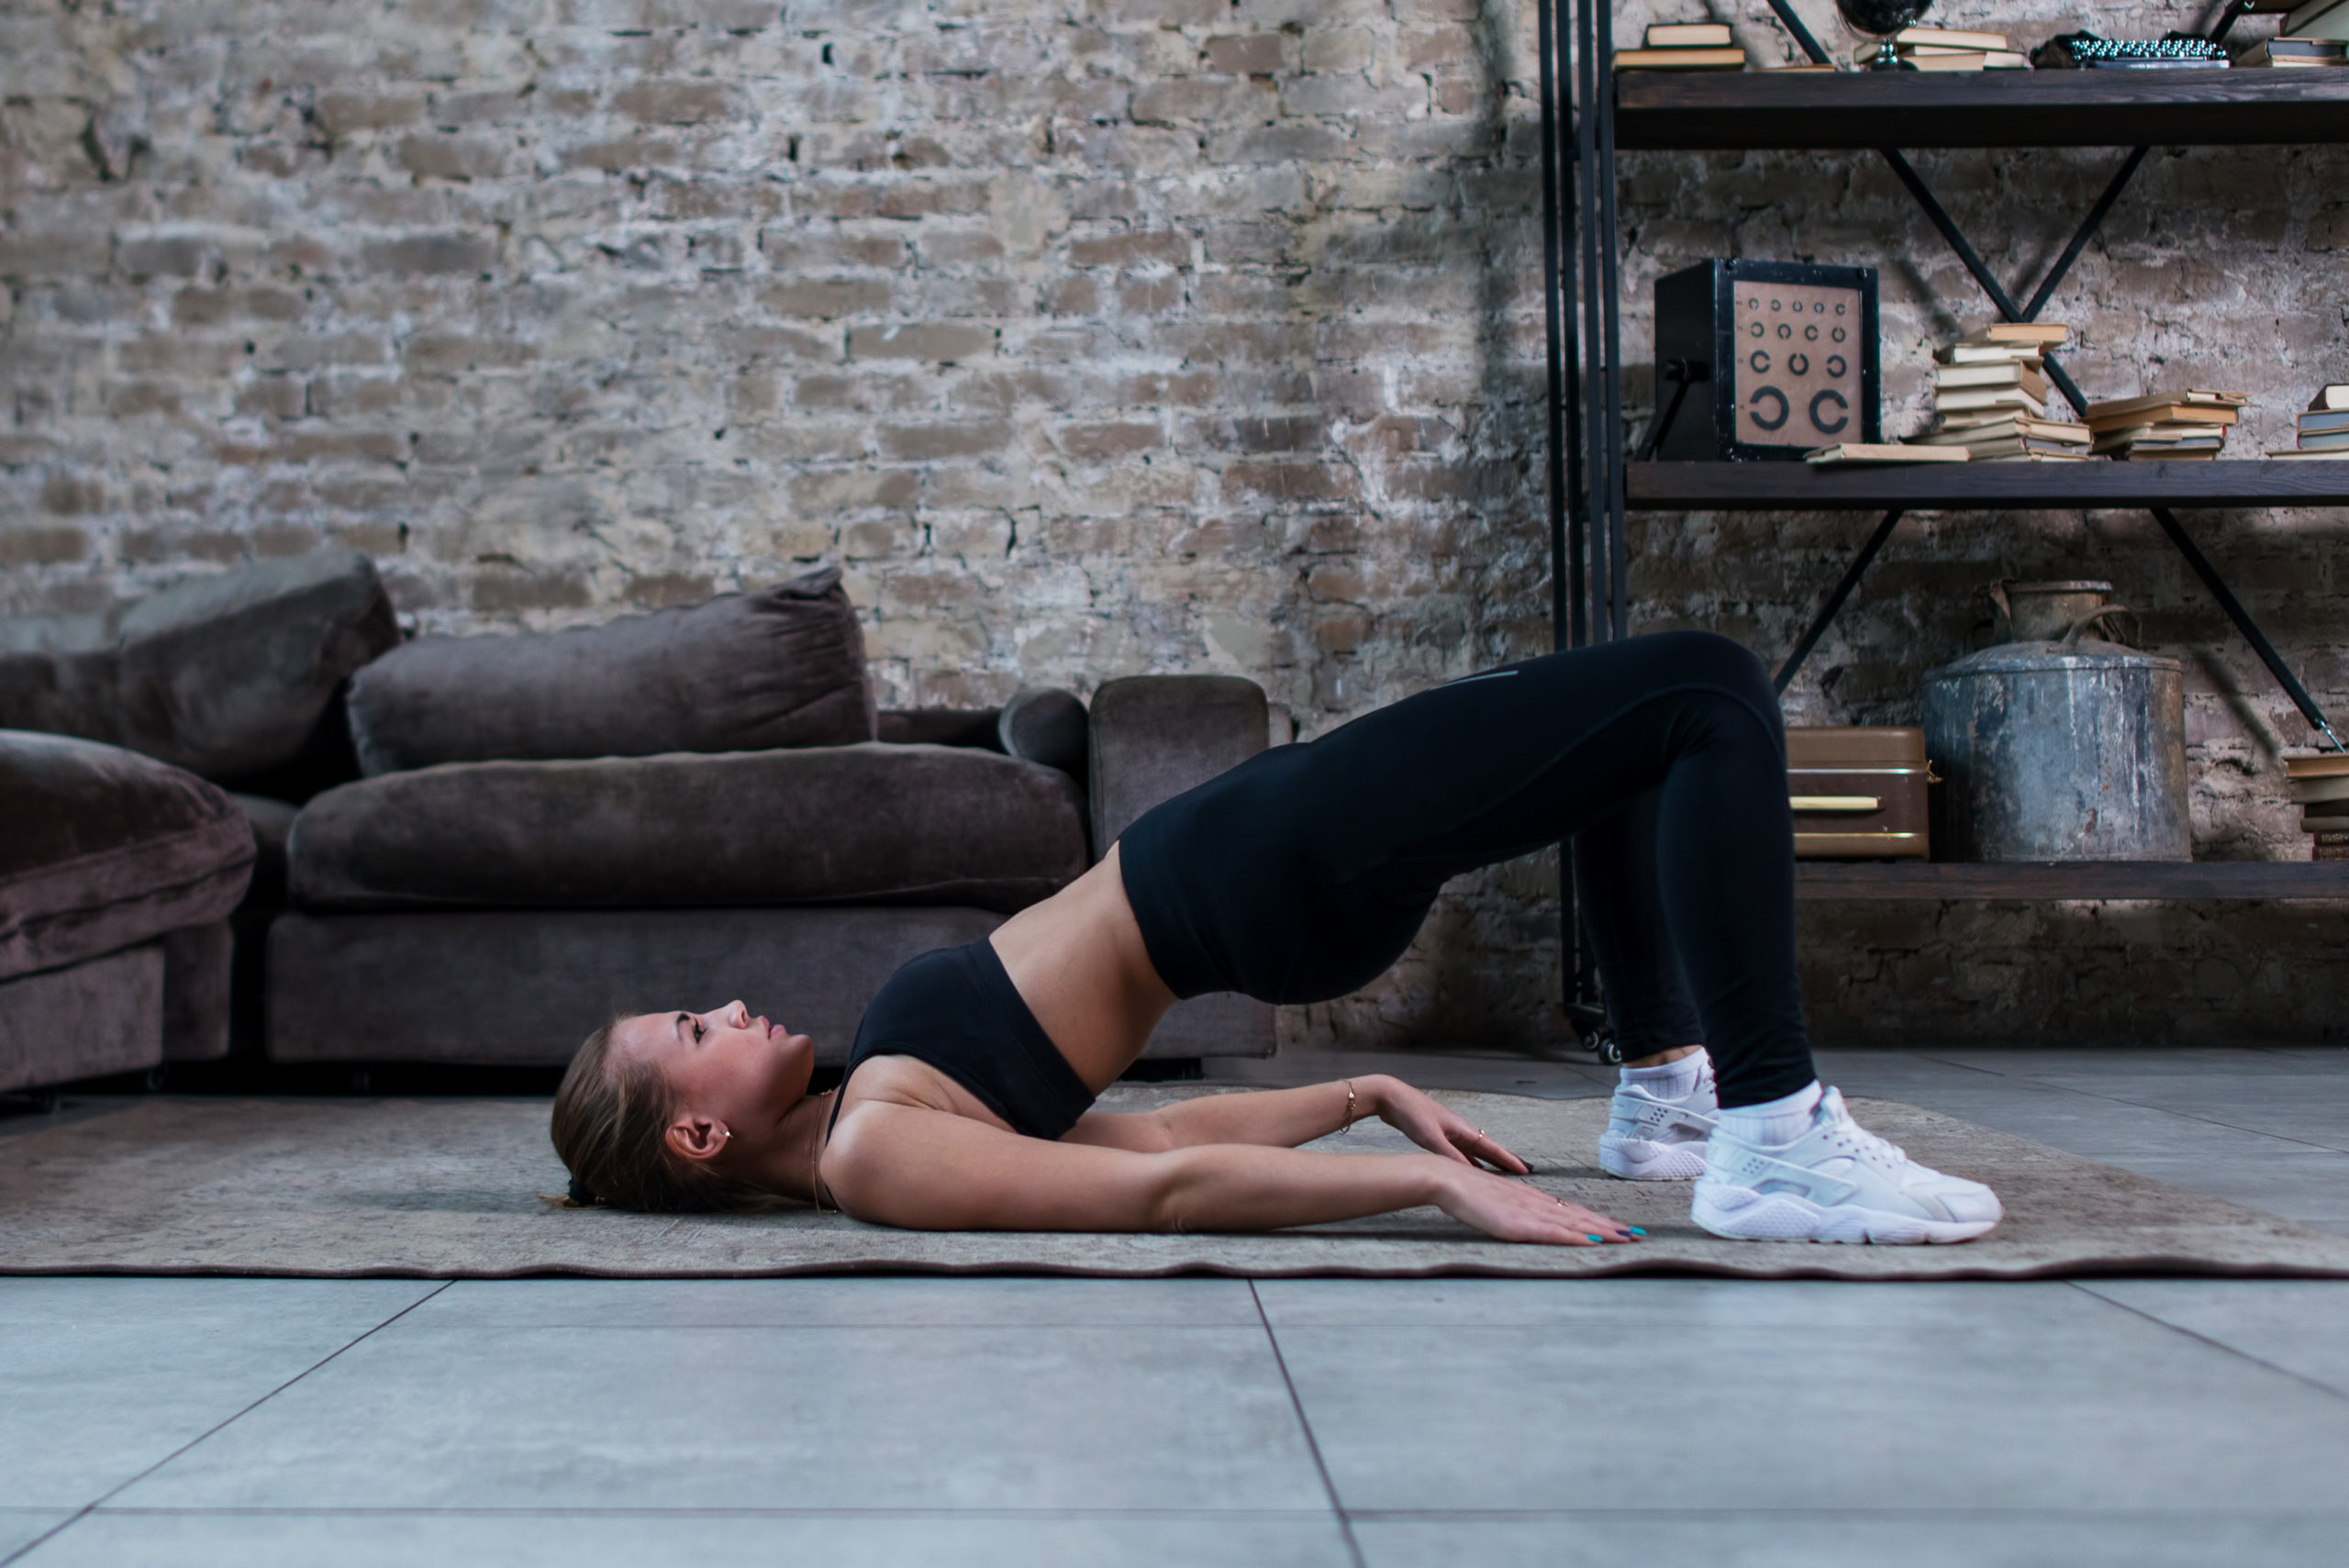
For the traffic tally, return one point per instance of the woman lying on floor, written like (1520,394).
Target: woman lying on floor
(1299,876)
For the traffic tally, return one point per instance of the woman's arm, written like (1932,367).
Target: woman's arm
(1287,1117)
(930,1170)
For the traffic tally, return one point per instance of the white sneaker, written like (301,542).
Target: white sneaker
(1651,1139)
(1838,1181)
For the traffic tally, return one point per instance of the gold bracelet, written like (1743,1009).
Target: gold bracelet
(1348,1126)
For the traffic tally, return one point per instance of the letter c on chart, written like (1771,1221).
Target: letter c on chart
(1774,396)
(1842,420)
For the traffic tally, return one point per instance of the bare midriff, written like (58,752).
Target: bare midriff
(1078,960)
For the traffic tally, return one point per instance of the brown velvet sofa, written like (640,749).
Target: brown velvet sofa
(117,875)
(685,808)
(122,869)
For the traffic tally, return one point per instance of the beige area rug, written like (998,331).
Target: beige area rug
(446,1189)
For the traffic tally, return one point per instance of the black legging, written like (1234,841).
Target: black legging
(1304,873)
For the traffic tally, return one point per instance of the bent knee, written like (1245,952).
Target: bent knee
(1708,658)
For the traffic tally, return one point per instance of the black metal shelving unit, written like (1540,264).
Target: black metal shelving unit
(1589,116)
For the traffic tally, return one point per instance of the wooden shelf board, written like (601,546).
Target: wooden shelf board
(1798,486)
(2040,880)
(1736,110)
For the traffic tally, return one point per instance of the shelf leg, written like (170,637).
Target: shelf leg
(1589,63)
(2245,625)
(1554,326)
(1834,606)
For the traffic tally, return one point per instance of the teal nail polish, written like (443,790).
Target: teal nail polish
(1635,1230)
(1598,1238)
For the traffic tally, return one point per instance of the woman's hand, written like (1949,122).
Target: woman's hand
(1434,1129)
(1512,1211)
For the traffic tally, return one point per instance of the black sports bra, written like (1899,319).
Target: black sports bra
(958,1010)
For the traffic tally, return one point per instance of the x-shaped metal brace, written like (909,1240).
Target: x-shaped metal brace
(1982,275)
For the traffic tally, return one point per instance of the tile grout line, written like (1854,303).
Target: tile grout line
(2219,1345)
(1312,1444)
(78,1515)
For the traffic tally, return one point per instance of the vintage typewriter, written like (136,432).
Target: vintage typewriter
(2086,52)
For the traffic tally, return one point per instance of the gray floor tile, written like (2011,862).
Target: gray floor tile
(2298,1325)
(2307,1107)
(2094,1126)
(856,1419)
(1892,1074)
(1620,1307)
(21,1527)
(509,1541)
(861,1302)
(1776,1539)
(2306,1184)
(2039,1401)
(2248,1060)
(105,1377)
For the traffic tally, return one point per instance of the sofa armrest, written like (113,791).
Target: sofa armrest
(1155,736)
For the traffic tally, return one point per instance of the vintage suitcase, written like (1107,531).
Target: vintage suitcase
(1858,794)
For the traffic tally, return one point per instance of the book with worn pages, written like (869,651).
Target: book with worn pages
(1990,397)
(1679,59)
(2171,427)
(1688,35)
(1856,454)
(1975,397)
(2322,430)
(2291,53)
(2014,372)
(2319,785)
(1949,37)
(2024,354)
(2015,436)
(2049,333)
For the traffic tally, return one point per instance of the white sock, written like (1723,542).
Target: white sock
(1774,1122)
(1671,1081)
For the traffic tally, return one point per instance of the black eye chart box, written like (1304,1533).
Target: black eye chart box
(1789,358)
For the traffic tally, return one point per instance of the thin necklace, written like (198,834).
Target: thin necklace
(816,1160)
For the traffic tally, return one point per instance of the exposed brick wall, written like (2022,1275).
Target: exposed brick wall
(1150,334)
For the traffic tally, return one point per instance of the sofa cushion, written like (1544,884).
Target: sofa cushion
(104,1016)
(105,848)
(1045,724)
(740,673)
(864,824)
(227,676)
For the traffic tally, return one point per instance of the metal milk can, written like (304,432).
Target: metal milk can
(2059,744)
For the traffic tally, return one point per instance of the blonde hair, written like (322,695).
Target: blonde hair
(611,1125)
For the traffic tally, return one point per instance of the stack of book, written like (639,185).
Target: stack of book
(2286,52)
(1683,46)
(2166,427)
(2321,789)
(1949,49)
(1992,399)
(2324,428)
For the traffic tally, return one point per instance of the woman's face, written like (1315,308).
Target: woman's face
(734,1068)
